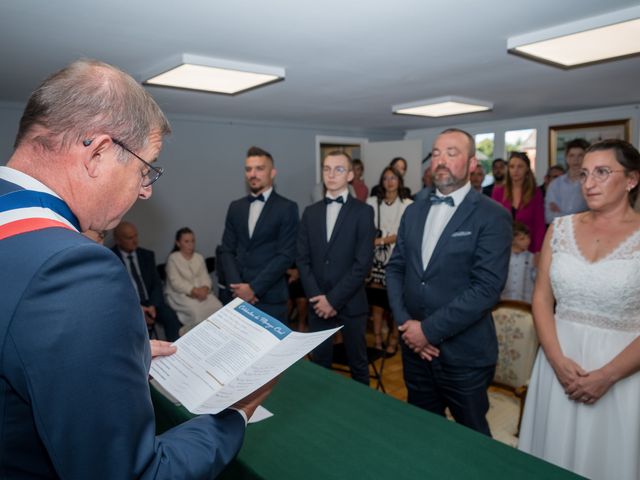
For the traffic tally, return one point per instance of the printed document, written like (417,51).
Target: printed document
(229,355)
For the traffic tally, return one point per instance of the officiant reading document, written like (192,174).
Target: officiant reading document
(232,353)
(74,385)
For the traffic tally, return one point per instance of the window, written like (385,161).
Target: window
(522,141)
(484,154)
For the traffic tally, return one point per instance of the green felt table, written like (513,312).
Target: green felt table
(326,426)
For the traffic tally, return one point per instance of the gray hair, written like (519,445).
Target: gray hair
(470,139)
(86,98)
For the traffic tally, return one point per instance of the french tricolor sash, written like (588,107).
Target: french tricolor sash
(25,211)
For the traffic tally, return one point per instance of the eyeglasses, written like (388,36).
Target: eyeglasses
(337,170)
(151,175)
(600,174)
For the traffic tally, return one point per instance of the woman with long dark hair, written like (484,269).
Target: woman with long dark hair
(582,410)
(388,206)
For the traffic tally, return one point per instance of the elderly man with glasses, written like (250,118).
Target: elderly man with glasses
(75,352)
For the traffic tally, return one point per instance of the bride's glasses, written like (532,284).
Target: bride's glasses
(600,174)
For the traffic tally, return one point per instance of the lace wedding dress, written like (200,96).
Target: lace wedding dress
(597,316)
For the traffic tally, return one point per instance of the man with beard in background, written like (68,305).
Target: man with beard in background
(259,240)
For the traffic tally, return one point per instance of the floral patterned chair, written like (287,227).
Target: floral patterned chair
(517,348)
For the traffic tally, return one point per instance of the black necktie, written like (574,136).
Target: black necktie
(252,199)
(329,200)
(136,278)
(436,200)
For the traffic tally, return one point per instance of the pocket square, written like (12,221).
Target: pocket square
(461,234)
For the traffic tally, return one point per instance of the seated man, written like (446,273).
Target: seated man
(141,265)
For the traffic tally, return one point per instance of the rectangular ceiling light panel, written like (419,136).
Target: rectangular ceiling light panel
(583,42)
(442,107)
(216,75)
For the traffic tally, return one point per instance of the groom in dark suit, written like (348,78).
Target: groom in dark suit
(335,252)
(445,275)
(259,240)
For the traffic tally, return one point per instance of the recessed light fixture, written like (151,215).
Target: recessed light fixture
(194,72)
(442,107)
(590,40)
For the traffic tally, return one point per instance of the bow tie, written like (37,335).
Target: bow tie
(328,200)
(252,199)
(436,200)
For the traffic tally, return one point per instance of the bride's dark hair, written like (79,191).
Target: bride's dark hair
(626,155)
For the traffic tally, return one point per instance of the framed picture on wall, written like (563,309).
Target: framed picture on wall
(592,132)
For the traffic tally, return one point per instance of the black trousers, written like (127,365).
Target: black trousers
(166,317)
(353,333)
(276,310)
(435,386)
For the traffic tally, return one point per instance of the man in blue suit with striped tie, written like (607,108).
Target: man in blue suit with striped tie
(74,390)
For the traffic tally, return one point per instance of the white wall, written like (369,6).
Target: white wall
(204,171)
(541,123)
(204,164)
(10,114)
(377,155)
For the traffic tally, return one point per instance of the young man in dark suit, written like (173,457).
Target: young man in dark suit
(259,240)
(335,252)
(141,265)
(446,273)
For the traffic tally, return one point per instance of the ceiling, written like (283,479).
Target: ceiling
(347,62)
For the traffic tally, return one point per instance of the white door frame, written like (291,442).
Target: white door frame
(337,140)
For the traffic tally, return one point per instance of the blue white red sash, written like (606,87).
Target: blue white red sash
(23,211)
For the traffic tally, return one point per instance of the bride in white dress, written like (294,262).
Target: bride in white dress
(583,406)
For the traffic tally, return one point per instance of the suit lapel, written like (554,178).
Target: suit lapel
(418,228)
(264,214)
(322,221)
(465,209)
(340,220)
(244,217)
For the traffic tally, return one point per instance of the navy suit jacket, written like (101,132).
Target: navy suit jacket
(74,363)
(149,273)
(454,295)
(262,260)
(337,268)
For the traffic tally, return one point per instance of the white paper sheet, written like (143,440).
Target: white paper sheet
(232,353)
(260,414)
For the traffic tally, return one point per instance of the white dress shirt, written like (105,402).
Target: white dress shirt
(255,209)
(333,210)
(437,219)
